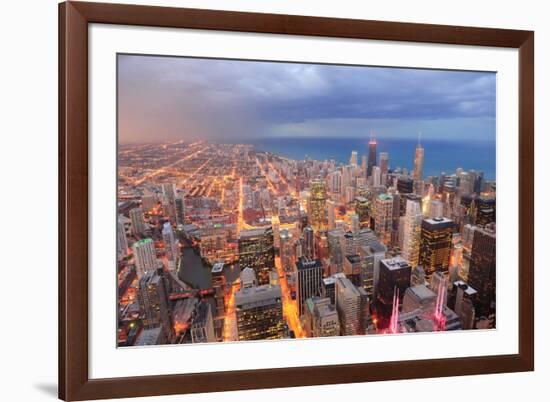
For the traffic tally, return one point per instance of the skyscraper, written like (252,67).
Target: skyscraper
(376,176)
(317,204)
(384,163)
(309,281)
(405,185)
(334,180)
(411,233)
(336,249)
(331,205)
(362,209)
(418,164)
(395,276)
(154,304)
(326,322)
(257,251)
(122,240)
(170,246)
(286,250)
(259,311)
(383,219)
(138,224)
(354,222)
(465,303)
(352,306)
(321,318)
(180,210)
(308,243)
(218,284)
(372,155)
(353,159)
(482,272)
(169,191)
(435,245)
(145,256)
(202,329)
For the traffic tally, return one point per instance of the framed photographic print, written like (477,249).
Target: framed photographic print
(260,200)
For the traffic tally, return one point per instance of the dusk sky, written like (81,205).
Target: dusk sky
(173,98)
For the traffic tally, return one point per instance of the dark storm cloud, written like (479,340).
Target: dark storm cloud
(182,98)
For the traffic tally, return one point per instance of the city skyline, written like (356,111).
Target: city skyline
(297,100)
(242,240)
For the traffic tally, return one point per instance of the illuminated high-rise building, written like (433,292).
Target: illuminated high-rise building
(376,176)
(168,200)
(354,223)
(352,304)
(321,318)
(326,322)
(371,256)
(286,250)
(372,155)
(465,303)
(154,304)
(435,209)
(383,219)
(309,276)
(418,162)
(384,163)
(145,256)
(170,246)
(336,249)
(259,312)
(202,329)
(353,159)
(308,243)
(169,191)
(317,205)
(334,180)
(405,185)
(362,209)
(411,233)
(257,251)
(331,205)
(435,245)
(138,223)
(180,210)
(364,165)
(350,194)
(218,284)
(482,271)
(122,240)
(485,207)
(395,276)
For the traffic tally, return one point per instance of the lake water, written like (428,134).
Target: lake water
(439,155)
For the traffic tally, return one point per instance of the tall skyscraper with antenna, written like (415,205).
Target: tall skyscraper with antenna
(418,161)
(372,154)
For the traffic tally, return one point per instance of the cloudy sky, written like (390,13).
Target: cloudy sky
(172,98)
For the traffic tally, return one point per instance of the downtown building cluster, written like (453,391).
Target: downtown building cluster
(298,248)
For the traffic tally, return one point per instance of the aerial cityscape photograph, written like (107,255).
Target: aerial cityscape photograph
(265,200)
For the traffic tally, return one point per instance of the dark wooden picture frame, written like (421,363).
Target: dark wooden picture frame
(74,381)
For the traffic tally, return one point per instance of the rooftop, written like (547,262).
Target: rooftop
(422,292)
(308,264)
(148,337)
(385,197)
(395,263)
(218,267)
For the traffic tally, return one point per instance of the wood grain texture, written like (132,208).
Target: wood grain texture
(74,17)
